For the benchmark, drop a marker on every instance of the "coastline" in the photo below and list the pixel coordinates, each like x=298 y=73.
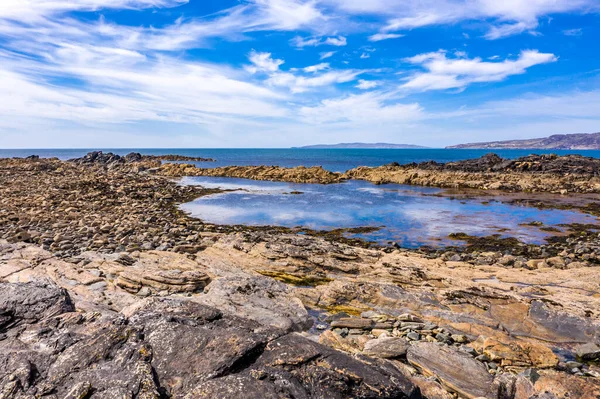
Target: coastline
x=109 y=232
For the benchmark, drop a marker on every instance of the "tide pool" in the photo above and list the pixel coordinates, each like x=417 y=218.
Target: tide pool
x=411 y=216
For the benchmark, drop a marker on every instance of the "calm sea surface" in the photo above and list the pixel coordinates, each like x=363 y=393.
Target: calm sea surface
x=337 y=160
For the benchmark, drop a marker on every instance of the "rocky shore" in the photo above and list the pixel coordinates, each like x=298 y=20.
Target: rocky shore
x=107 y=290
x=534 y=173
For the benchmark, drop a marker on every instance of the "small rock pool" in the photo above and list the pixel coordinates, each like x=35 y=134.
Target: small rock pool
x=408 y=215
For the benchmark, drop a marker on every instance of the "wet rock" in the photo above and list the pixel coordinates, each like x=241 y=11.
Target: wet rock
x=456 y=370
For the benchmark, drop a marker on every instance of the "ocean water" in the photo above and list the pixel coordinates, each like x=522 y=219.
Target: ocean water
x=337 y=160
x=411 y=216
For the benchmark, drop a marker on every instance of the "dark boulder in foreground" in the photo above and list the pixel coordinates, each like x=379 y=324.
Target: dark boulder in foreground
x=166 y=348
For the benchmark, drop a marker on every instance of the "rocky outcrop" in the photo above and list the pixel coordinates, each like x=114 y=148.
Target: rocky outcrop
x=534 y=173
x=169 y=348
x=300 y=174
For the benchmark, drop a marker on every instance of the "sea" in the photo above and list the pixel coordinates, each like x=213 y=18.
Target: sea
x=336 y=160
x=409 y=216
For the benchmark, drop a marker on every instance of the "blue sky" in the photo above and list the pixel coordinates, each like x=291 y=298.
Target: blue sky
x=280 y=73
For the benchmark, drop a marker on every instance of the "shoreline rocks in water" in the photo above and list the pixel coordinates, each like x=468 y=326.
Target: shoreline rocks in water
x=534 y=173
x=315 y=174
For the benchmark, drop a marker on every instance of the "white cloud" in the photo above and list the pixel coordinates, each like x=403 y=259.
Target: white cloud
x=443 y=73
x=300 y=42
x=336 y=41
x=301 y=84
x=384 y=36
x=367 y=84
x=364 y=56
x=362 y=109
x=325 y=55
x=506 y=17
x=262 y=62
x=316 y=68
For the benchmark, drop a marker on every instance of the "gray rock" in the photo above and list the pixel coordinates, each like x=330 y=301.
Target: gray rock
x=413 y=336
x=456 y=370
x=386 y=348
x=588 y=352
x=162 y=348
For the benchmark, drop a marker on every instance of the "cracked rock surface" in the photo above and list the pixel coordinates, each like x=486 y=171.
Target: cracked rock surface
x=162 y=348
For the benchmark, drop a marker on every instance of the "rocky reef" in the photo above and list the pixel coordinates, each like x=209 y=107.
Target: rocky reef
x=107 y=290
x=274 y=173
x=534 y=173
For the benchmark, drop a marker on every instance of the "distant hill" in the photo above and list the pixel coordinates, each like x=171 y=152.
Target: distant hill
x=362 y=145
x=581 y=141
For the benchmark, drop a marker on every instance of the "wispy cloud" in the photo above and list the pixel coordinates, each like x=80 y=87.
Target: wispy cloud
x=367 y=84
x=457 y=73
x=573 y=32
x=300 y=42
x=505 y=17
x=325 y=55
x=384 y=36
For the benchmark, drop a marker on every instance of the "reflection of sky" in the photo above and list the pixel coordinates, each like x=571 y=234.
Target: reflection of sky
x=408 y=217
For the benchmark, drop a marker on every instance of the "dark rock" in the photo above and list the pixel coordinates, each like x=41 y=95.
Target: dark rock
x=30 y=303
x=163 y=348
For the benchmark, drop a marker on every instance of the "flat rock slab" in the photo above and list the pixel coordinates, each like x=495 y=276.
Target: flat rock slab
x=456 y=370
x=386 y=348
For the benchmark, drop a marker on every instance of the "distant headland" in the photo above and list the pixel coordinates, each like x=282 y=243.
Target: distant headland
x=580 y=141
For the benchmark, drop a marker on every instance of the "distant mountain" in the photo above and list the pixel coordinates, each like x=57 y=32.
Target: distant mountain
x=362 y=145
x=581 y=141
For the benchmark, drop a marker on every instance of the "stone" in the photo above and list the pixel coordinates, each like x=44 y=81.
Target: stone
x=353 y=322
x=588 y=352
x=413 y=336
x=456 y=370
x=515 y=353
x=386 y=348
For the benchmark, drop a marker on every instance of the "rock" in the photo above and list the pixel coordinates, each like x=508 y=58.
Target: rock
x=552 y=384
x=456 y=370
x=258 y=298
x=29 y=303
x=588 y=352
x=386 y=348
x=170 y=348
x=413 y=336
x=515 y=353
x=353 y=322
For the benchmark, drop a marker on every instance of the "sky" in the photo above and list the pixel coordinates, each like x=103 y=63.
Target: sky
x=281 y=73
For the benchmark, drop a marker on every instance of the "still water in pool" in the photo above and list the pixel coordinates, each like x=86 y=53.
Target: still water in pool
x=411 y=216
